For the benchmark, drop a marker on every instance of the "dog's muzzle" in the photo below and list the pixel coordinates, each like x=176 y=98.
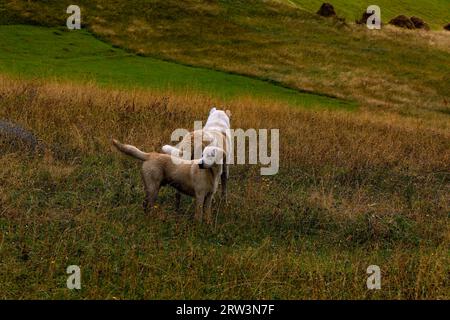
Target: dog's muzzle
x=201 y=165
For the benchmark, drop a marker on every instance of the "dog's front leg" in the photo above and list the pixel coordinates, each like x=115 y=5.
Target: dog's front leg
x=199 y=200
x=223 y=181
x=207 y=208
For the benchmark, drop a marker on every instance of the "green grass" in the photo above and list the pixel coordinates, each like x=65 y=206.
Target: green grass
x=435 y=12
x=41 y=52
x=392 y=68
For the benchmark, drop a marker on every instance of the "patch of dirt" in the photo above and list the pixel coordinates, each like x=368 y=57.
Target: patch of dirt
x=402 y=22
x=419 y=23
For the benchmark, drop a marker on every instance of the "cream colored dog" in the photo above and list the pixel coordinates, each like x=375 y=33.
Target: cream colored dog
x=216 y=132
x=196 y=178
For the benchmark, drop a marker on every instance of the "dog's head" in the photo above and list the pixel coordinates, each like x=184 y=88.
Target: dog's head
x=211 y=156
x=217 y=116
x=214 y=109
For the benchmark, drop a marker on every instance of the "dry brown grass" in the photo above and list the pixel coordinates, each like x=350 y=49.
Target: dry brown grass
x=331 y=143
x=354 y=189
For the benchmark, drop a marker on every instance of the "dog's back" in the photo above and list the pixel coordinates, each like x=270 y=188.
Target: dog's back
x=216 y=132
x=161 y=170
x=218 y=120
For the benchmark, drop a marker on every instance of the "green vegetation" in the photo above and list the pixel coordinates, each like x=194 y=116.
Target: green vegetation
x=55 y=52
x=273 y=41
x=435 y=12
x=354 y=188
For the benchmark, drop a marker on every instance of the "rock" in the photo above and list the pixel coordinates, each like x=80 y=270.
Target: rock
x=402 y=22
x=17 y=136
x=364 y=18
x=447 y=27
x=326 y=10
x=419 y=23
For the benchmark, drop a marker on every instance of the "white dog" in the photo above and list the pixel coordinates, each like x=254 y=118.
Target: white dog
x=215 y=133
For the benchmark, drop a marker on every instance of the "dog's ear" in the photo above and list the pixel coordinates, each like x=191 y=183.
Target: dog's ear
x=213 y=109
x=228 y=112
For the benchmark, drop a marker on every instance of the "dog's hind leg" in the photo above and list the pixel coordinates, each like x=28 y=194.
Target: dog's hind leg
x=150 y=198
x=178 y=201
x=151 y=190
x=146 y=204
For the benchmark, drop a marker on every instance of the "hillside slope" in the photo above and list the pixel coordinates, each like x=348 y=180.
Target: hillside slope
x=354 y=188
x=391 y=69
x=38 y=52
x=435 y=12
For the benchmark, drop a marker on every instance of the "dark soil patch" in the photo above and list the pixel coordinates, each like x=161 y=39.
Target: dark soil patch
x=402 y=22
x=419 y=23
x=326 y=10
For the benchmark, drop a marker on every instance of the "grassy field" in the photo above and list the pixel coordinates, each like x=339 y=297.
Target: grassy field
x=270 y=40
x=435 y=12
x=354 y=189
x=37 y=52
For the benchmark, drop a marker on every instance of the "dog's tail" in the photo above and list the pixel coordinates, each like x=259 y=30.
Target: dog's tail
x=131 y=150
x=172 y=151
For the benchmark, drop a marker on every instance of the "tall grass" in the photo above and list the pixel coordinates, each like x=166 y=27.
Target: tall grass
x=354 y=189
